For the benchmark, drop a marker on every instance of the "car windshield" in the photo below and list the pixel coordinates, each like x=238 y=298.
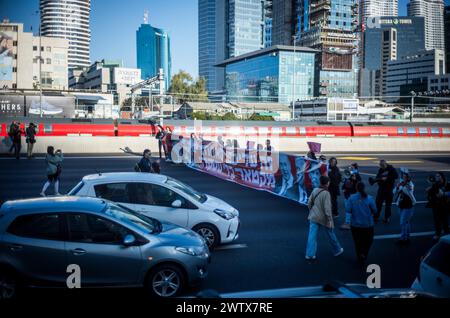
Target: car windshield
x=144 y=223
x=188 y=190
x=76 y=189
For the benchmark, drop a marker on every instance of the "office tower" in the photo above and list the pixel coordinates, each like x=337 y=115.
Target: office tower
x=229 y=28
x=69 y=19
x=447 y=36
x=378 y=8
x=330 y=26
x=433 y=12
x=388 y=53
x=153 y=52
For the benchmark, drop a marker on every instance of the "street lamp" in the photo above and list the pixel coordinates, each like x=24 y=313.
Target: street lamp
x=413 y=95
x=294 y=39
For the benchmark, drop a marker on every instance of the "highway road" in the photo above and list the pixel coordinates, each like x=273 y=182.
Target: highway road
x=270 y=251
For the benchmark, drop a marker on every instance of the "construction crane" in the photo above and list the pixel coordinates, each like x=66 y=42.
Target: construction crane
x=148 y=82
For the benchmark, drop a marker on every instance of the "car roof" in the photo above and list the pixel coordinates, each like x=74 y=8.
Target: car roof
x=57 y=204
x=126 y=176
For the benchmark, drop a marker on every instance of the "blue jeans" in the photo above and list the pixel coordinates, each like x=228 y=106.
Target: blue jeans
x=405 y=222
x=311 y=246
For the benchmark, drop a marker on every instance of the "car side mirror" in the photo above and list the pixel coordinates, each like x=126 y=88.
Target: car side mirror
x=129 y=240
x=176 y=204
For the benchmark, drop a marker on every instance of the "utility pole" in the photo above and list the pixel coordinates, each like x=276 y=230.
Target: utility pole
x=413 y=95
x=293 y=80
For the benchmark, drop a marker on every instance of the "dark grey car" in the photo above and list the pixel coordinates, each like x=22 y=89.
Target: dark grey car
x=112 y=245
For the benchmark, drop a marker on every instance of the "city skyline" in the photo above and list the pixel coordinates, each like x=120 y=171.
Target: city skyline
x=181 y=24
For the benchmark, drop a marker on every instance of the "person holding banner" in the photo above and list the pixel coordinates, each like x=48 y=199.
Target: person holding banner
x=335 y=179
x=320 y=216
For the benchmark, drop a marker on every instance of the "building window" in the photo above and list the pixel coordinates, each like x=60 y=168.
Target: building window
x=34 y=48
x=14 y=85
x=48 y=49
x=14 y=69
x=49 y=61
x=42 y=48
x=14 y=43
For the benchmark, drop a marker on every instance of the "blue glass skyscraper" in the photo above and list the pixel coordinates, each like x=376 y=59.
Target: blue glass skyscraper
x=153 y=52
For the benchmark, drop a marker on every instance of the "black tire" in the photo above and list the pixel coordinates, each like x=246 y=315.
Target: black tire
x=9 y=284
x=166 y=288
x=209 y=232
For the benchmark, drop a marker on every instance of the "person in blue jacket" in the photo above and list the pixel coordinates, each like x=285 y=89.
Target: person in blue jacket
x=362 y=209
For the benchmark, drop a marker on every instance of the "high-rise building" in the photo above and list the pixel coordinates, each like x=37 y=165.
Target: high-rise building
x=411 y=73
x=268 y=20
x=229 y=28
x=153 y=52
x=378 y=8
x=433 y=12
x=409 y=39
x=447 y=36
x=330 y=26
x=29 y=61
x=284 y=22
x=69 y=19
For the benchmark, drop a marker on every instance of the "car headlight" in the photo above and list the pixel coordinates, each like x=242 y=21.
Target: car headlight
x=193 y=251
x=224 y=214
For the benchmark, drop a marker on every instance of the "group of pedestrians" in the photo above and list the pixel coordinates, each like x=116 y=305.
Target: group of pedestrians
x=15 y=134
x=362 y=211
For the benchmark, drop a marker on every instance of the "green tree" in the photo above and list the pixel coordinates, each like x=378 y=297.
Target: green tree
x=186 y=89
x=229 y=116
x=256 y=116
x=138 y=102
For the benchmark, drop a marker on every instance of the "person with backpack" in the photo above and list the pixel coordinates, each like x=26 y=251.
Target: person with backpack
x=320 y=216
x=439 y=202
x=349 y=188
x=53 y=160
x=361 y=208
x=30 y=134
x=405 y=200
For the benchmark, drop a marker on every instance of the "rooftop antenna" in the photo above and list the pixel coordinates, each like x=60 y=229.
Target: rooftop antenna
x=145 y=16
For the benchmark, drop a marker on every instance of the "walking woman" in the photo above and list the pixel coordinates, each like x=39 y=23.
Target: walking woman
x=404 y=197
x=30 y=134
x=320 y=216
x=53 y=160
x=361 y=207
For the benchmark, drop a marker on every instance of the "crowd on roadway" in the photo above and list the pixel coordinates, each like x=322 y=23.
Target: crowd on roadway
x=362 y=211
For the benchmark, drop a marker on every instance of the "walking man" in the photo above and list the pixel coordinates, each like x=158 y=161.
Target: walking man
x=335 y=180
x=320 y=216
x=405 y=200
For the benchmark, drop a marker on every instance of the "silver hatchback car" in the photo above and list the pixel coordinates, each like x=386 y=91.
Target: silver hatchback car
x=41 y=239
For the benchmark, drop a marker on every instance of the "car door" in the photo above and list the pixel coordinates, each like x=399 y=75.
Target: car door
x=435 y=270
x=157 y=201
x=34 y=244
x=96 y=245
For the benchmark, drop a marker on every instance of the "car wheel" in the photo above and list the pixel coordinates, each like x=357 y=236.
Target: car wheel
x=209 y=233
x=166 y=280
x=8 y=285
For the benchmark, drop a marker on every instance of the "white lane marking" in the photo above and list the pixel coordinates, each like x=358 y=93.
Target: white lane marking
x=230 y=247
x=393 y=236
x=368 y=174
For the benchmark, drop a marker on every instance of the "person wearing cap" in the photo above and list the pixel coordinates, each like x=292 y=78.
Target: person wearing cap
x=30 y=134
x=405 y=200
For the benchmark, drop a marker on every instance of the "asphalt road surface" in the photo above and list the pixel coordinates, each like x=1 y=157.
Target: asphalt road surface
x=270 y=250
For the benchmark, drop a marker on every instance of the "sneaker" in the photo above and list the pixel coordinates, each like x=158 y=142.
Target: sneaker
x=46 y=108
x=345 y=226
x=42 y=194
x=340 y=252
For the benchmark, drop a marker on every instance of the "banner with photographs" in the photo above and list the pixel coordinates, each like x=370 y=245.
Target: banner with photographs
x=289 y=176
x=6 y=56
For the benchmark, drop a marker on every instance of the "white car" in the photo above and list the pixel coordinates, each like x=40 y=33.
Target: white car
x=165 y=199
x=434 y=275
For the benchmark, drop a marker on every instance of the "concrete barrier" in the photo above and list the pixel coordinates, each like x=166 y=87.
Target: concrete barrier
x=92 y=145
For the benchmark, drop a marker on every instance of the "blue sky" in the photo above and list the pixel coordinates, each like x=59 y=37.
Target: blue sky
x=114 y=24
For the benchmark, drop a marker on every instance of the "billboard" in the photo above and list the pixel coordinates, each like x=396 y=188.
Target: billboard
x=6 y=56
x=12 y=105
x=127 y=76
x=52 y=106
